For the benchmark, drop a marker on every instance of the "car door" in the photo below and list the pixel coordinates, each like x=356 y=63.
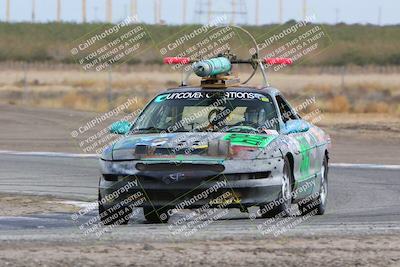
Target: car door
x=304 y=150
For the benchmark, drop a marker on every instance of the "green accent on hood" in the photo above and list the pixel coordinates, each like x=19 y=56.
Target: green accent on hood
x=252 y=140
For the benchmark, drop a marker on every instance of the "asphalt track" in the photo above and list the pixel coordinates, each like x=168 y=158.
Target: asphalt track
x=362 y=199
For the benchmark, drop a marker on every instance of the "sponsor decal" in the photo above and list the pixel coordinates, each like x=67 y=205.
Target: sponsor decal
x=251 y=140
x=209 y=95
x=305 y=157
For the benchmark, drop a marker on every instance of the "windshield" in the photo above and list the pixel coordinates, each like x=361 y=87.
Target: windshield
x=234 y=111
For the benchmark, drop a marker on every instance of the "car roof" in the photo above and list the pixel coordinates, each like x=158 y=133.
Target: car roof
x=264 y=90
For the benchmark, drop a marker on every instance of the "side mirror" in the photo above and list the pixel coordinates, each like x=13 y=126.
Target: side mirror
x=120 y=127
x=296 y=126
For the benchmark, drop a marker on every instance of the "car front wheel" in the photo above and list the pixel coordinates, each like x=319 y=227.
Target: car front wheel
x=281 y=207
x=319 y=203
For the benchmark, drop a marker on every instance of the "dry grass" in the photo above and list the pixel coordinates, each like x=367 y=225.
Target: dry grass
x=75 y=89
x=338 y=104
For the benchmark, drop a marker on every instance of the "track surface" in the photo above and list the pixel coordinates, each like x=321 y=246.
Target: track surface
x=360 y=200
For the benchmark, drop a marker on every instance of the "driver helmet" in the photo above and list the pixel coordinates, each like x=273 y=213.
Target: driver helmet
x=256 y=115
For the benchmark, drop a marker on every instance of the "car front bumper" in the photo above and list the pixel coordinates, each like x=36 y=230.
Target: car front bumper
x=181 y=187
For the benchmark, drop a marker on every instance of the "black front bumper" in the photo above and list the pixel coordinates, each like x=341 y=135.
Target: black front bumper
x=193 y=191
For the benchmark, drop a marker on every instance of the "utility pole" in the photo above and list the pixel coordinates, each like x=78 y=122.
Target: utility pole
x=58 y=10
x=257 y=12
x=337 y=15
x=84 y=11
x=157 y=11
x=304 y=9
x=209 y=11
x=109 y=11
x=380 y=16
x=233 y=11
x=8 y=11
x=280 y=11
x=133 y=8
x=33 y=10
x=183 y=11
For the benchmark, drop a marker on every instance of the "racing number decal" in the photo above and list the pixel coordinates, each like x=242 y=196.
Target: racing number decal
x=305 y=157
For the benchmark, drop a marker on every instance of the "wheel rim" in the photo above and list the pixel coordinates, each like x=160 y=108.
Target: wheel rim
x=324 y=189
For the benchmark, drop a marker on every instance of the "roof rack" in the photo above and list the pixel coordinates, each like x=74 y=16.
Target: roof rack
x=217 y=72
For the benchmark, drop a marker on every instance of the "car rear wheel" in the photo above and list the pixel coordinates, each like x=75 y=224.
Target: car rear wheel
x=154 y=215
x=281 y=207
x=319 y=203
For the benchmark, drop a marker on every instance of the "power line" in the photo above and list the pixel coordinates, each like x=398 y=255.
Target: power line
x=238 y=11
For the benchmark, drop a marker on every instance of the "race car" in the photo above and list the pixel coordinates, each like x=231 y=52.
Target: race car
x=218 y=145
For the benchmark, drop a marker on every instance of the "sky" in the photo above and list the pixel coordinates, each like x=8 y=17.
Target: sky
x=384 y=12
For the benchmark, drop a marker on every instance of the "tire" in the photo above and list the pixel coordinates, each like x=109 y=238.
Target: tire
x=319 y=203
x=154 y=215
x=118 y=216
x=271 y=210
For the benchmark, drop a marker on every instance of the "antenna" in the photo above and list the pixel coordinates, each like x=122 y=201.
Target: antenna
x=84 y=11
x=58 y=10
x=33 y=10
x=109 y=11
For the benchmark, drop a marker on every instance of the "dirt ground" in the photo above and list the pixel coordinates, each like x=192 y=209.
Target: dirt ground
x=380 y=250
x=17 y=205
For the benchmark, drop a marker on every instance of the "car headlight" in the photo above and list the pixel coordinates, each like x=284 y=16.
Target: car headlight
x=107 y=154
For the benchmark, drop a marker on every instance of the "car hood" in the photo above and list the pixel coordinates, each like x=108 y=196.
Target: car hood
x=191 y=146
